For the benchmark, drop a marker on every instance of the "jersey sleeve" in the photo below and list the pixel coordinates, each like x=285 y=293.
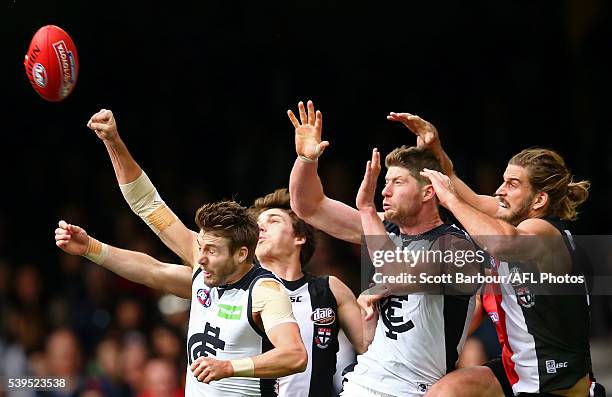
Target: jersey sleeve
x=271 y=300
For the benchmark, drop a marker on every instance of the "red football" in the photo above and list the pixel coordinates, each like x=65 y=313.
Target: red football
x=52 y=64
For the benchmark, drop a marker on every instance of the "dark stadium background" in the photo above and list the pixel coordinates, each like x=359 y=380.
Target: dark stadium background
x=200 y=92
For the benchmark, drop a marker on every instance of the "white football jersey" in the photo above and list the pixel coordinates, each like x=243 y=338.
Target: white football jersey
x=221 y=326
x=418 y=336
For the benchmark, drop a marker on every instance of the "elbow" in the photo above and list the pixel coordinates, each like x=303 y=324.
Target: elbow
x=499 y=248
x=302 y=208
x=501 y=244
x=363 y=347
x=300 y=360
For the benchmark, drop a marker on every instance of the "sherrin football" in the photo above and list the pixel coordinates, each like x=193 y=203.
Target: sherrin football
x=52 y=64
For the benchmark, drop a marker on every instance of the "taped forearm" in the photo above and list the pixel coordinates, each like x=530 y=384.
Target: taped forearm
x=146 y=202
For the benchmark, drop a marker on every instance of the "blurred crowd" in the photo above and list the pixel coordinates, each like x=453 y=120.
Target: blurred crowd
x=105 y=336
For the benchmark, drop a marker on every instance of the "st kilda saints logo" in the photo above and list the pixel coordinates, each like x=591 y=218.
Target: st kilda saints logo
x=323 y=316
x=395 y=324
x=323 y=337
x=525 y=297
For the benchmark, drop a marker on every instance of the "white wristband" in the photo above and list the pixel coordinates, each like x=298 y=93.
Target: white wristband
x=243 y=367
x=307 y=160
x=317 y=155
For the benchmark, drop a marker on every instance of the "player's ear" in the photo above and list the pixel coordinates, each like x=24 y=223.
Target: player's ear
x=428 y=192
x=299 y=240
x=242 y=253
x=540 y=200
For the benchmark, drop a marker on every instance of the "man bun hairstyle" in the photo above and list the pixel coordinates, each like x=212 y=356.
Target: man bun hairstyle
x=548 y=173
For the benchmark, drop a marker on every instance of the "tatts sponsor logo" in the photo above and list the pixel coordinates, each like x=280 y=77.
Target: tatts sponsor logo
x=204 y=297
x=323 y=316
x=323 y=338
x=39 y=74
x=67 y=66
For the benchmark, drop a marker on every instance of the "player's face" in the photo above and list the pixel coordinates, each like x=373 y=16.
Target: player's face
x=515 y=195
x=402 y=195
x=216 y=260
x=276 y=235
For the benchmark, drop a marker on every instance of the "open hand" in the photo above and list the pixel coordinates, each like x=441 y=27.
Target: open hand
x=368 y=298
x=442 y=184
x=367 y=190
x=308 y=131
x=427 y=134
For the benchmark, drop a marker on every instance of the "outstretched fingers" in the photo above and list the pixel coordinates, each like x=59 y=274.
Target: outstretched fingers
x=311 y=113
x=318 y=123
x=303 y=115
x=293 y=119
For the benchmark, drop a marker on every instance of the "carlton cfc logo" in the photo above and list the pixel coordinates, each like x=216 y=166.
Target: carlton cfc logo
x=204 y=297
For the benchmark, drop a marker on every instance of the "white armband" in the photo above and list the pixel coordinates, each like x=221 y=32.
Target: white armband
x=146 y=202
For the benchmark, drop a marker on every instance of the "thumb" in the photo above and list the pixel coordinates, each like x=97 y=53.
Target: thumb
x=107 y=115
x=63 y=225
x=74 y=228
x=321 y=147
x=370 y=313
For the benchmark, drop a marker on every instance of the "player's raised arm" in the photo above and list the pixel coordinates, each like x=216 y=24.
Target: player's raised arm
x=134 y=266
x=307 y=197
x=427 y=136
x=139 y=191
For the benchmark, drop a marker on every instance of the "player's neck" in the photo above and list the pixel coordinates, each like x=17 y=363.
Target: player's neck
x=239 y=273
x=287 y=268
x=420 y=224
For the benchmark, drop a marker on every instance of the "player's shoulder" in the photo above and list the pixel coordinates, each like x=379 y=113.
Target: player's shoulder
x=449 y=229
x=256 y=276
x=325 y=288
x=317 y=283
x=340 y=290
x=545 y=226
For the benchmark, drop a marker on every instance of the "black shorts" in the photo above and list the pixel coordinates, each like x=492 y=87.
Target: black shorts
x=497 y=367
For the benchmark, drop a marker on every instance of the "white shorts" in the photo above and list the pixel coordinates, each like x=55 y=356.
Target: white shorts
x=352 y=389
